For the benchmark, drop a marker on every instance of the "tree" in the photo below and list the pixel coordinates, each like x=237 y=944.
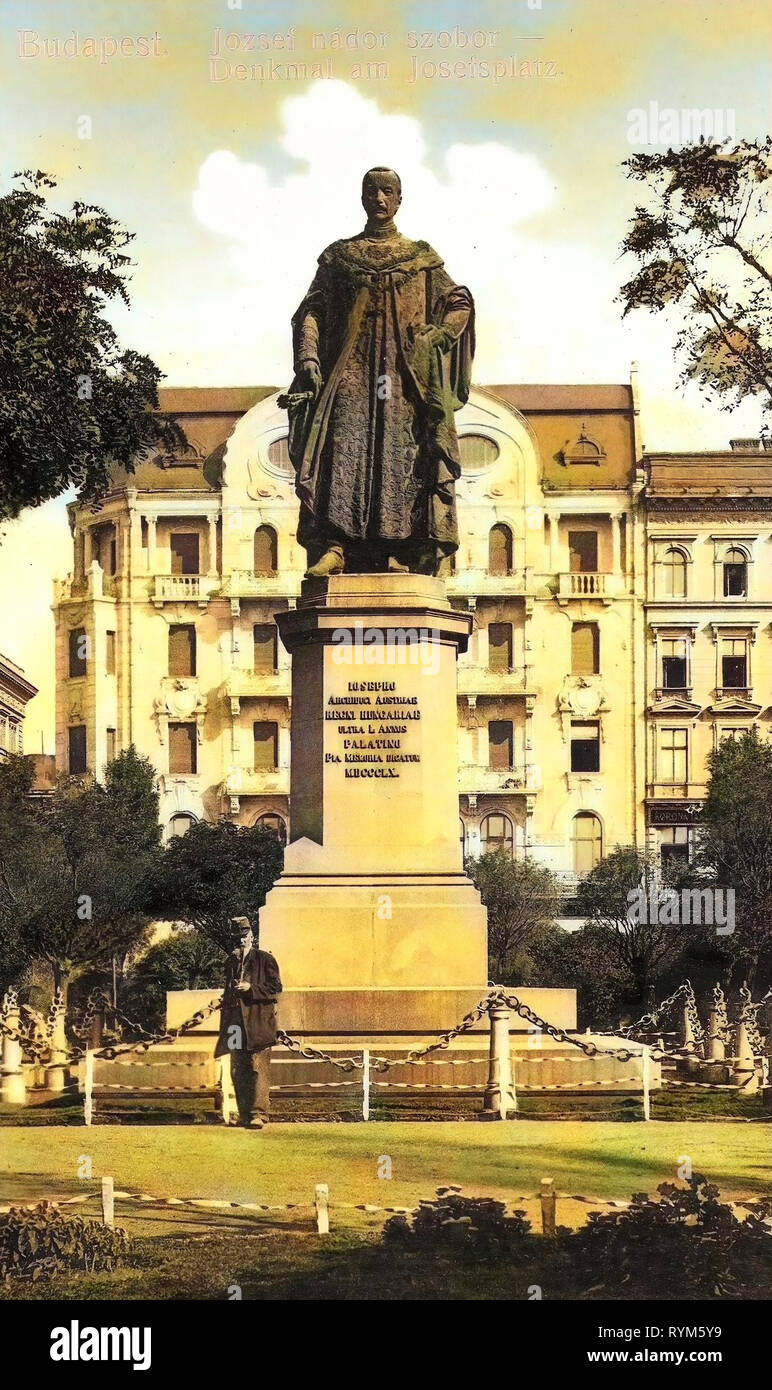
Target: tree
x=640 y=946
x=72 y=403
x=735 y=846
x=703 y=244
x=216 y=872
x=521 y=897
x=74 y=871
x=187 y=960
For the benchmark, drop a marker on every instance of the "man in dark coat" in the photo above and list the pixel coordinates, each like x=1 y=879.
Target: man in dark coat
x=248 y=1024
x=383 y=345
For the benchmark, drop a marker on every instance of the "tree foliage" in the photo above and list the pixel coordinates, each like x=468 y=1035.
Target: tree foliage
x=735 y=845
x=216 y=872
x=702 y=241
x=72 y=402
x=640 y=948
x=521 y=897
x=75 y=870
x=187 y=960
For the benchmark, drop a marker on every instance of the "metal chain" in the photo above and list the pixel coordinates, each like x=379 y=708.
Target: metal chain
x=560 y=1034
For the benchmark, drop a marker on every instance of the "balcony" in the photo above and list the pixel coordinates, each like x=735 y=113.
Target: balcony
x=246 y=685
x=478 y=582
x=587 y=584
x=479 y=681
x=247 y=584
x=177 y=588
x=475 y=779
x=247 y=781
x=676 y=791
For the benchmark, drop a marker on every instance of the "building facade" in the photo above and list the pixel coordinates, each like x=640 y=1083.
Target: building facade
x=15 y=694
x=708 y=615
x=572 y=547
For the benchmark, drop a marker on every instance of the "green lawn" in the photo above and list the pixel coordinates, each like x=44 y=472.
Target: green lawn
x=201 y=1254
x=284 y=1162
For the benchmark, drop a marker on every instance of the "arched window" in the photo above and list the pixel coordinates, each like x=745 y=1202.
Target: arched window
x=278 y=455
x=674 y=573
x=266 y=553
x=180 y=824
x=270 y=821
x=500 y=550
x=478 y=453
x=586 y=842
x=735 y=574
x=497 y=832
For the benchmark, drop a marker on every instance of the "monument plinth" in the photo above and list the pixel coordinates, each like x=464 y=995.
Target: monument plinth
x=375 y=923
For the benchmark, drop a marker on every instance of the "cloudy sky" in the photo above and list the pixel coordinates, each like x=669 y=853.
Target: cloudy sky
x=508 y=123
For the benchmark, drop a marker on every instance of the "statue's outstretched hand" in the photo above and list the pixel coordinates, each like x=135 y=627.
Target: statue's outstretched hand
x=308 y=377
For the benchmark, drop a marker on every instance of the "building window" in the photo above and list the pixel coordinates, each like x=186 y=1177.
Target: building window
x=500 y=744
x=183 y=546
x=585 y=649
x=182 y=649
x=497 y=832
x=271 y=821
x=278 y=455
x=79 y=651
x=500 y=550
x=586 y=842
x=265 y=551
x=674 y=755
x=500 y=646
x=180 y=824
x=734 y=663
x=674 y=663
x=735 y=574
x=183 y=748
x=673 y=573
x=110 y=747
x=110 y=653
x=264 y=648
x=76 y=759
x=462 y=836
x=733 y=733
x=266 y=738
x=477 y=452
x=585 y=745
x=583 y=552
x=675 y=843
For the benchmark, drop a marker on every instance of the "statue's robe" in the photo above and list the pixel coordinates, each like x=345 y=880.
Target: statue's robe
x=376 y=455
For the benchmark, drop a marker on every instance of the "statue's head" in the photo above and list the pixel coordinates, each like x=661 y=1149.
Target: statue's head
x=381 y=193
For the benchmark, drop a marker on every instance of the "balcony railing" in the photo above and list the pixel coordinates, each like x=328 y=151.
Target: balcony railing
x=676 y=791
x=476 y=779
x=254 y=684
x=479 y=681
x=247 y=781
x=584 y=585
x=174 y=588
x=247 y=584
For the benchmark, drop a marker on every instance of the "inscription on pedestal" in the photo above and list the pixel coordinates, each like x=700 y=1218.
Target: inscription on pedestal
x=373 y=723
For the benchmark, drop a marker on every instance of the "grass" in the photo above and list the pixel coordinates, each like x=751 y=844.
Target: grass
x=201 y=1255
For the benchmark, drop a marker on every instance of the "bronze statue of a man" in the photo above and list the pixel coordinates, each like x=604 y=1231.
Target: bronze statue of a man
x=383 y=345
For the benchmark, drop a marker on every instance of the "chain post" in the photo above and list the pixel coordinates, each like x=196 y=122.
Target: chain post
x=57 y=1061
x=13 y=1088
x=548 y=1198
x=365 y=1083
x=498 y=1100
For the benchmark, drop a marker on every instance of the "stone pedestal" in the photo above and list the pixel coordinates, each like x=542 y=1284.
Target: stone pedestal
x=374 y=923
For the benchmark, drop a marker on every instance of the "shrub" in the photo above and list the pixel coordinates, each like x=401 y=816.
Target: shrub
x=43 y=1241
x=687 y=1245
x=477 y=1226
